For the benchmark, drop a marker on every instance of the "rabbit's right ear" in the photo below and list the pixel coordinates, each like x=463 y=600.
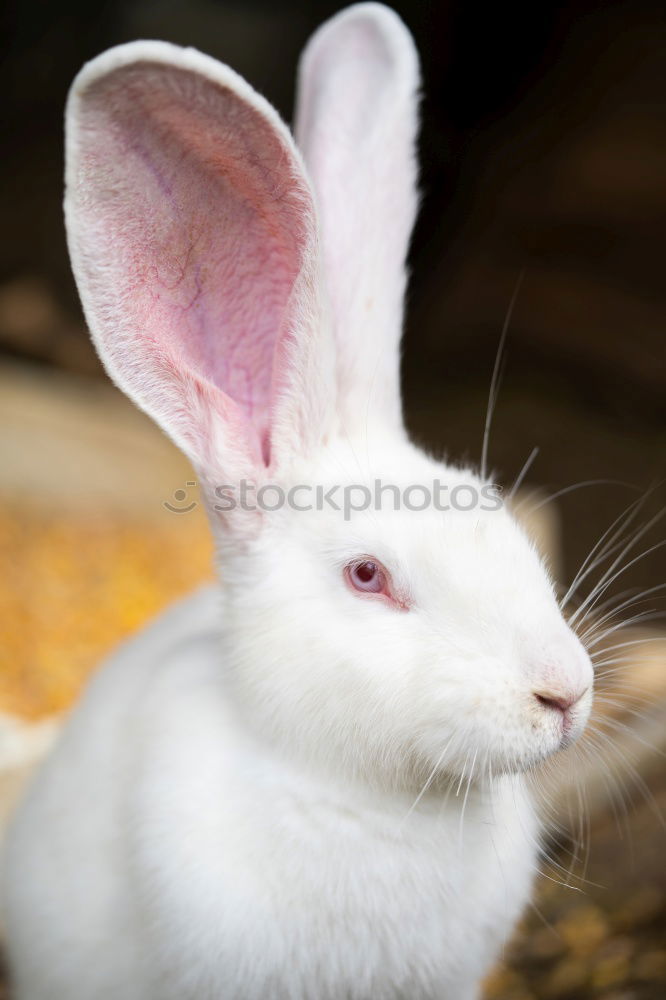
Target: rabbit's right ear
x=193 y=242
x=356 y=126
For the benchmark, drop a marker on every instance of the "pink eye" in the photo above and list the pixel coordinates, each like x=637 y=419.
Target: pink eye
x=367 y=576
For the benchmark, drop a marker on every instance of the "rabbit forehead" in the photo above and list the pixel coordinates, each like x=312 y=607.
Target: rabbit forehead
x=386 y=502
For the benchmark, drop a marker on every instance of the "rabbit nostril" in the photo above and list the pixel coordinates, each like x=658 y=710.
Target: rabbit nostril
x=559 y=702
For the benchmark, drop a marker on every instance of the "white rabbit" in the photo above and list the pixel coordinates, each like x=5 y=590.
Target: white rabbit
x=305 y=783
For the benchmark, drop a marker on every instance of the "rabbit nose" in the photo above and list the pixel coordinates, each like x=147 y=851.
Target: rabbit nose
x=560 y=674
x=559 y=701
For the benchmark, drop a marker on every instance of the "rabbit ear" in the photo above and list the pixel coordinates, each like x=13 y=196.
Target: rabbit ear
x=192 y=236
x=356 y=125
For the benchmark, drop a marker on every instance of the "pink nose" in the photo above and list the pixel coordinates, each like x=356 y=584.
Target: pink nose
x=560 y=702
x=561 y=673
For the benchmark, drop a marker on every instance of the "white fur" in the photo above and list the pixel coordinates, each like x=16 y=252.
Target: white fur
x=283 y=790
x=358 y=80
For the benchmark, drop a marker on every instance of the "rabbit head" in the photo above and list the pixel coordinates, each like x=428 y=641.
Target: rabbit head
x=246 y=291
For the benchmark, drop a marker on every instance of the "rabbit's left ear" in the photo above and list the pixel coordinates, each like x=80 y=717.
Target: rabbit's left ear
x=356 y=126
x=193 y=240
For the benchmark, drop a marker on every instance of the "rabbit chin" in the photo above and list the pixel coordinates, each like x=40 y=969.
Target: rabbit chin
x=505 y=741
x=497 y=725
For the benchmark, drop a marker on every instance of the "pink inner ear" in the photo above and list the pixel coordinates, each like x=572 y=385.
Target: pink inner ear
x=193 y=205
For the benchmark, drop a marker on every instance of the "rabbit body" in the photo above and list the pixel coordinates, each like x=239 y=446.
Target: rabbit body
x=304 y=784
x=203 y=867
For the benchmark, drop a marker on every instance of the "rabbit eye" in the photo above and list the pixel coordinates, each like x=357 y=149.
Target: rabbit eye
x=367 y=576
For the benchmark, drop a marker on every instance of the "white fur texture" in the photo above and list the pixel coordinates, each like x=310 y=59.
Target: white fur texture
x=284 y=789
x=358 y=81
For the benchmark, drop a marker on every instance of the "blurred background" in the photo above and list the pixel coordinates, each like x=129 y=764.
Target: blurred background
x=543 y=152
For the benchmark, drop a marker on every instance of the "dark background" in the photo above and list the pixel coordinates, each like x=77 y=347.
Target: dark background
x=543 y=151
